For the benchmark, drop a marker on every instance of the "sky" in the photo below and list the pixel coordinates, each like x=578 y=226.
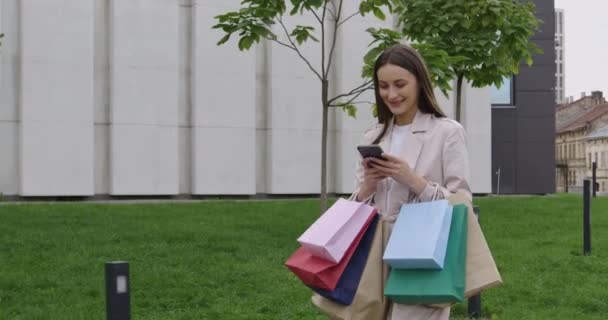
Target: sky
x=586 y=45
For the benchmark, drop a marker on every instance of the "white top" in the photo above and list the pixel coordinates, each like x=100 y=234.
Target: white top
x=398 y=139
x=398 y=144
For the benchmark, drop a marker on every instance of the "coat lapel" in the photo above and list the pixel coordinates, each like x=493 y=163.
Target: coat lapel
x=415 y=141
x=421 y=124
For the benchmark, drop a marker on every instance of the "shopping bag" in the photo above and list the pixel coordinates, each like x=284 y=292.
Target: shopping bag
x=333 y=233
x=369 y=302
x=349 y=280
x=481 y=268
x=321 y=273
x=426 y=286
x=420 y=236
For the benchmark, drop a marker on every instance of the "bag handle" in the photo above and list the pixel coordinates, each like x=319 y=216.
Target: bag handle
x=368 y=200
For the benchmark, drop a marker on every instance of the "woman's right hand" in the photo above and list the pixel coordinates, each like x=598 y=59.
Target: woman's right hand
x=371 y=177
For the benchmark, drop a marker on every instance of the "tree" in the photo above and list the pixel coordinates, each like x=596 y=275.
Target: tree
x=254 y=22
x=487 y=39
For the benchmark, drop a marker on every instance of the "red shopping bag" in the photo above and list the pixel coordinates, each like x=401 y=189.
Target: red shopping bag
x=321 y=273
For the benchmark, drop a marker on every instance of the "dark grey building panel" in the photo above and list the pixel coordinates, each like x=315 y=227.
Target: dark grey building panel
x=536 y=78
x=544 y=7
x=523 y=137
x=534 y=174
x=503 y=159
x=547 y=57
x=503 y=126
x=535 y=129
x=535 y=104
x=546 y=27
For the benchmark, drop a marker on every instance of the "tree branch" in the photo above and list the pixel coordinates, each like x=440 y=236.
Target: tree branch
x=317 y=16
x=281 y=43
x=353 y=102
x=358 y=90
x=333 y=43
x=355 y=97
x=349 y=17
x=322 y=21
x=335 y=9
x=298 y=50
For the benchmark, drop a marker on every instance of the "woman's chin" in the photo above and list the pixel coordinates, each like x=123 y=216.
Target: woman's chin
x=397 y=111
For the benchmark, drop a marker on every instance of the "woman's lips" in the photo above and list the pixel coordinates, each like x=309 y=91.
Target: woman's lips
x=395 y=104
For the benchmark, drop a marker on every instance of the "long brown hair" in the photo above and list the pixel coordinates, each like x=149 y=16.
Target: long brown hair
x=408 y=58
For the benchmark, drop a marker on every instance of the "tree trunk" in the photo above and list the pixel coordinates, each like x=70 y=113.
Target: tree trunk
x=459 y=97
x=325 y=101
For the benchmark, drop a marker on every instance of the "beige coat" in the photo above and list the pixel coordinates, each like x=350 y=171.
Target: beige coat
x=436 y=150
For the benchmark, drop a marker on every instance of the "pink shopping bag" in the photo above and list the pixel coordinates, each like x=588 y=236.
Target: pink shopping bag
x=332 y=234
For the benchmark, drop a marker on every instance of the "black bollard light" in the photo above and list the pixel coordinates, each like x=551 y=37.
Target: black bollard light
x=594 y=178
x=474 y=303
x=118 y=296
x=586 y=217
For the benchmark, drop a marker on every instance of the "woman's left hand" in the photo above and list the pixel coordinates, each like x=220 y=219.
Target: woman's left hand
x=400 y=171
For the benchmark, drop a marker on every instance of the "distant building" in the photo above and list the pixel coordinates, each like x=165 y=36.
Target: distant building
x=581 y=138
x=560 y=84
x=523 y=119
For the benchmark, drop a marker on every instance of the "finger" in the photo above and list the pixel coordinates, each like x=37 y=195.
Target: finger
x=391 y=157
x=365 y=163
x=381 y=170
x=379 y=162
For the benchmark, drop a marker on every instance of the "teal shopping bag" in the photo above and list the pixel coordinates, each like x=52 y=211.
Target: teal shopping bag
x=425 y=286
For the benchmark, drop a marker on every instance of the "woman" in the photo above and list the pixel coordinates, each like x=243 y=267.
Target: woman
x=425 y=153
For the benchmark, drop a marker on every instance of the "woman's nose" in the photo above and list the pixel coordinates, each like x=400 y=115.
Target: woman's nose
x=392 y=93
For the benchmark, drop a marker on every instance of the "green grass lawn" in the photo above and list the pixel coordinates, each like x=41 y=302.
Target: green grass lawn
x=223 y=260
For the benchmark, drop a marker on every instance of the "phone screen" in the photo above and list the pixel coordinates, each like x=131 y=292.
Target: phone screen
x=371 y=151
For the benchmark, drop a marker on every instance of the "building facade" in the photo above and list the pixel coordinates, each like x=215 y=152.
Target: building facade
x=128 y=98
x=580 y=139
x=560 y=72
x=523 y=139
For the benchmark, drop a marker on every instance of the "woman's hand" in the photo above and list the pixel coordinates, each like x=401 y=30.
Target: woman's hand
x=371 y=177
x=400 y=171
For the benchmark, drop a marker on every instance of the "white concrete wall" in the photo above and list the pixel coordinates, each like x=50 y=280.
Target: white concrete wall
x=135 y=98
x=9 y=113
x=144 y=97
x=224 y=109
x=56 y=102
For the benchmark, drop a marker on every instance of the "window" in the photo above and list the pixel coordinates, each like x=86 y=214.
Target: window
x=590 y=160
x=503 y=96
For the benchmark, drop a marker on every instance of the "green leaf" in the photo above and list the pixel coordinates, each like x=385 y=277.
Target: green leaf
x=379 y=14
x=245 y=43
x=224 y=39
x=372 y=54
x=350 y=109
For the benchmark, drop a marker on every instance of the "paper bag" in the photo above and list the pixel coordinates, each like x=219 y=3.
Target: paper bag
x=420 y=236
x=481 y=269
x=369 y=302
x=428 y=286
x=330 y=236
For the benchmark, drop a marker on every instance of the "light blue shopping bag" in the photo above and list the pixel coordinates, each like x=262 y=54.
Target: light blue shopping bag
x=420 y=236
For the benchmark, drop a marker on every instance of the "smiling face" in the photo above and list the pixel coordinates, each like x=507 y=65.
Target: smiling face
x=399 y=90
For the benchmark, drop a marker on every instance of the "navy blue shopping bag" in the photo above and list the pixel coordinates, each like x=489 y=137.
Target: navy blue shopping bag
x=349 y=281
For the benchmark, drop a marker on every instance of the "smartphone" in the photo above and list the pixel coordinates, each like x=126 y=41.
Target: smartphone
x=372 y=150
